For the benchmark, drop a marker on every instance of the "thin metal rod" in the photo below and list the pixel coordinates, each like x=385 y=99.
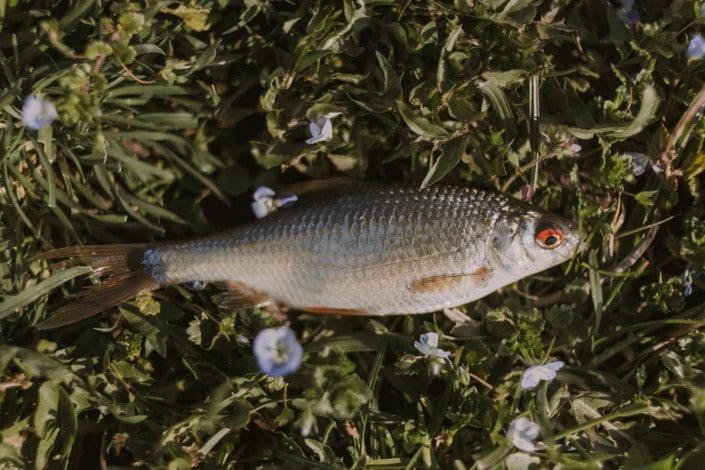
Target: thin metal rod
x=534 y=114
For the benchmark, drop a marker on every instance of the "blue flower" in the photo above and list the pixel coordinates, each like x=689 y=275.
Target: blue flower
x=320 y=130
x=522 y=433
x=687 y=278
x=264 y=201
x=428 y=346
x=535 y=374
x=277 y=351
x=38 y=113
x=696 y=48
x=628 y=14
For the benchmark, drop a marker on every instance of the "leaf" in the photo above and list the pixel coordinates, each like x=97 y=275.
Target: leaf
x=646 y=198
x=503 y=79
x=308 y=58
x=460 y=107
x=419 y=124
x=56 y=424
x=194 y=17
x=11 y=304
x=451 y=151
x=392 y=84
x=35 y=364
x=281 y=152
x=649 y=104
x=521 y=461
x=500 y=104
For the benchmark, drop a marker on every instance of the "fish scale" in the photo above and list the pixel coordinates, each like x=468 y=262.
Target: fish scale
x=361 y=248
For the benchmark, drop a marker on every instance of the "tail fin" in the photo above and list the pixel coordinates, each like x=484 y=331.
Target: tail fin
x=123 y=273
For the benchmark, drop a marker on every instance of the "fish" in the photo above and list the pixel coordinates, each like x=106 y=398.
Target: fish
x=345 y=248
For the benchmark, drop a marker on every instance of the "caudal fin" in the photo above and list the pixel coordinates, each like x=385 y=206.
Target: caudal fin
x=123 y=277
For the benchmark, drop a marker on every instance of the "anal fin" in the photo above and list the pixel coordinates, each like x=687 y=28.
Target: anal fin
x=335 y=311
x=239 y=296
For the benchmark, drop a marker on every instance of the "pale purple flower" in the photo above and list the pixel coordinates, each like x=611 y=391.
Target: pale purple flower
x=628 y=14
x=38 y=113
x=522 y=433
x=196 y=285
x=696 y=47
x=277 y=351
x=640 y=162
x=575 y=148
x=428 y=346
x=687 y=278
x=535 y=374
x=264 y=201
x=321 y=130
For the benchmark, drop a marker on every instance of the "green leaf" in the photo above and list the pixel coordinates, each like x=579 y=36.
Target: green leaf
x=56 y=424
x=649 y=104
x=646 y=198
x=500 y=104
x=194 y=17
x=392 y=84
x=503 y=79
x=419 y=124
x=11 y=304
x=281 y=152
x=460 y=107
x=451 y=151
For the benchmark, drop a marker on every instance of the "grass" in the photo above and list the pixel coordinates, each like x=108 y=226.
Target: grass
x=172 y=113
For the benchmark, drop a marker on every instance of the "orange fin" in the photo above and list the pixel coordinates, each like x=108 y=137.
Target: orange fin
x=335 y=311
x=446 y=282
x=240 y=297
x=315 y=186
x=99 y=298
x=123 y=275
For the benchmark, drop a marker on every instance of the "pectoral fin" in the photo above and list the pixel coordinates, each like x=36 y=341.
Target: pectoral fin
x=450 y=282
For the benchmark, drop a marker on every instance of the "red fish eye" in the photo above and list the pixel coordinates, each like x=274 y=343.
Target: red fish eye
x=549 y=238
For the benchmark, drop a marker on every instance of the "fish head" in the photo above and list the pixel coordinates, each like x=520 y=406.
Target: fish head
x=533 y=242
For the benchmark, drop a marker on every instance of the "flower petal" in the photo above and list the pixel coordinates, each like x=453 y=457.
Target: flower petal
x=535 y=374
x=555 y=366
x=327 y=129
x=262 y=207
x=263 y=192
x=38 y=113
x=429 y=339
x=522 y=433
x=277 y=351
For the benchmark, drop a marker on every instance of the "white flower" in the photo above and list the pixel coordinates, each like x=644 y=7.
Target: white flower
x=522 y=433
x=264 y=201
x=277 y=351
x=575 y=148
x=38 y=113
x=321 y=129
x=535 y=374
x=428 y=346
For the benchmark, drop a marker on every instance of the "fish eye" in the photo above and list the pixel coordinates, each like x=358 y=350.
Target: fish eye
x=549 y=238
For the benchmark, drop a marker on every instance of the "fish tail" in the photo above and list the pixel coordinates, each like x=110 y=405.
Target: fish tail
x=123 y=272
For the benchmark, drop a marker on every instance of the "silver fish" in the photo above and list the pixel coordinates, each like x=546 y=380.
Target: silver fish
x=354 y=249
